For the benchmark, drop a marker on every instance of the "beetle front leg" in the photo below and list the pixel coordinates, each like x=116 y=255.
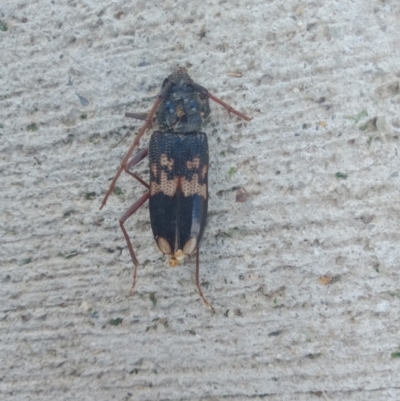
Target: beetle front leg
x=134 y=160
x=148 y=122
x=122 y=220
x=229 y=108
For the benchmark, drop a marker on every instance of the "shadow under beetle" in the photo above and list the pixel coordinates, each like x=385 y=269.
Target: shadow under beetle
x=178 y=156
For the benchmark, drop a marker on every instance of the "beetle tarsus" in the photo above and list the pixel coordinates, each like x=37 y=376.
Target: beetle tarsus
x=198 y=280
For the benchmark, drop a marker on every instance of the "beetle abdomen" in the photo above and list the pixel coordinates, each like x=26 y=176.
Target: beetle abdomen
x=178 y=190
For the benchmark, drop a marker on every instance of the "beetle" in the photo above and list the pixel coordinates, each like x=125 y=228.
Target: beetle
x=178 y=159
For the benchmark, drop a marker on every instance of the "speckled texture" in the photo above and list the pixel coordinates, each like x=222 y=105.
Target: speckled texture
x=319 y=161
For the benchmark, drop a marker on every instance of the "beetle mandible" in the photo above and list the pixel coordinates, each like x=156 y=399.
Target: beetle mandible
x=178 y=156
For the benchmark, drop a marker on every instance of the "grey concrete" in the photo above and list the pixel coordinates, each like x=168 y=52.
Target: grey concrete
x=304 y=275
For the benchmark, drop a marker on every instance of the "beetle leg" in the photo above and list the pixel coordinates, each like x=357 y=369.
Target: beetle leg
x=135 y=160
x=132 y=209
x=164 y=91
x=140 y=116
x=198 y=280
x=134 y=175
x=230 y=109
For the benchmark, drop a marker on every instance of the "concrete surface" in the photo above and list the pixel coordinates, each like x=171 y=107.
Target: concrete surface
x=304 y=275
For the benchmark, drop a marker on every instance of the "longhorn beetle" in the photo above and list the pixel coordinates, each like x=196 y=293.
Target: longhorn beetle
x=178 y=155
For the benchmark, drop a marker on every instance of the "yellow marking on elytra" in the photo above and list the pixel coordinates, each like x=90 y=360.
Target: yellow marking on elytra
x=204 y=171
x=190 y=246
x=154 y=169
x=195 y=163
x=193 y=187
x=166 y=186
x=164 y=246
x=165 y=161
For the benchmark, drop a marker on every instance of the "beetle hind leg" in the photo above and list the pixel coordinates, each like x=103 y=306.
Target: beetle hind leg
x=198 y=280
x=122 y=220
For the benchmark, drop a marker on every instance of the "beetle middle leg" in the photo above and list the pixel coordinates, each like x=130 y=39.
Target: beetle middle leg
x=135 y=160
x=138 y=116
